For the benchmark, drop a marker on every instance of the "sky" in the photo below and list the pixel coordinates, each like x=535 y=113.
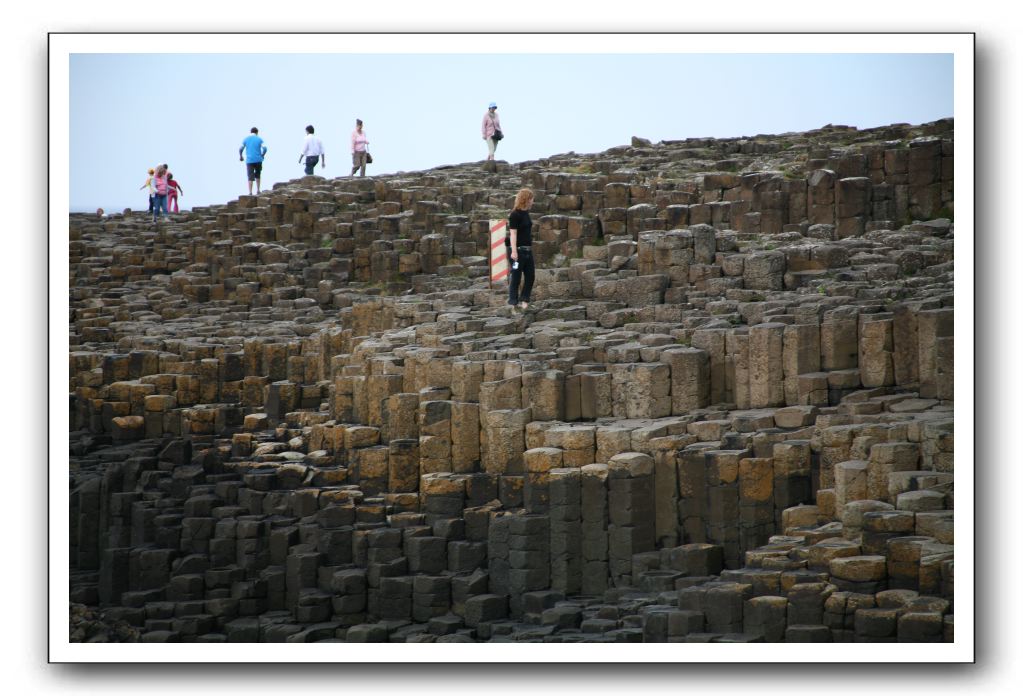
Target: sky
x=130 y=111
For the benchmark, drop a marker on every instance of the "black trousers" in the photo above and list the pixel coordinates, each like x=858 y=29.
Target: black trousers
x=524 y=274
x=310 y=164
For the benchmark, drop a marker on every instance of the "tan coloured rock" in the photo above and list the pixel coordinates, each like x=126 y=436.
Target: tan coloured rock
x=859 y=568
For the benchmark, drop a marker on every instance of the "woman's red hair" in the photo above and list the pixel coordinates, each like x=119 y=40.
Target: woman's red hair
x=522 y=198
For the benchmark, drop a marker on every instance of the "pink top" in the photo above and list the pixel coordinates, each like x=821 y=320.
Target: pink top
x=359 y=141
x=160 y=184
x=490 y=124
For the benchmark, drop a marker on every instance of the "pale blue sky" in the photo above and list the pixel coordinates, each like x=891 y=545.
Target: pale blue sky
x=131 y=111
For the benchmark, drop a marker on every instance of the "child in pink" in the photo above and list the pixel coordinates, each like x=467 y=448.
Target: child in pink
x=173 y=187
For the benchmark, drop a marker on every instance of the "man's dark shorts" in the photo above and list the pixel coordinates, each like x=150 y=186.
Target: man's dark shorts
x=254 y=169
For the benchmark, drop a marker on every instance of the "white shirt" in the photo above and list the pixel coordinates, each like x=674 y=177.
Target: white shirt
x=312 y=147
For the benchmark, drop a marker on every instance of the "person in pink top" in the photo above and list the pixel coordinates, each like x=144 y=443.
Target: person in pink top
x=359 y=151
x=492 y=128
x=160 y=188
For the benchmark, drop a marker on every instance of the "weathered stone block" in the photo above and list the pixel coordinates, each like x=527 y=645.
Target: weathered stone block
x=544 y=393
x=690 y=378
x=641 y=390
x=764 y=270
x=766 y=347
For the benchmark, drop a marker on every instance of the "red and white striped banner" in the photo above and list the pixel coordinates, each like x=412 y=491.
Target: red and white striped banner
x=498 y=251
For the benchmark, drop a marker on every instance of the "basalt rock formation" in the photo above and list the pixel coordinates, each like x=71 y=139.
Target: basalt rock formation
x=727 y=416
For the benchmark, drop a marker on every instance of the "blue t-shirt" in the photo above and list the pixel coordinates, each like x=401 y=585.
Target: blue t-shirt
x=254 y=149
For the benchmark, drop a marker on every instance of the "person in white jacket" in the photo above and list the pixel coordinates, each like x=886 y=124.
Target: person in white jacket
x=312 y=150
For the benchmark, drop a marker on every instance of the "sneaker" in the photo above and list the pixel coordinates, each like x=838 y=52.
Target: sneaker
x=523 y=306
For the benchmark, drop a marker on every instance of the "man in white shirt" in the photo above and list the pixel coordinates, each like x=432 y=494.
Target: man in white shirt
x=313 y=152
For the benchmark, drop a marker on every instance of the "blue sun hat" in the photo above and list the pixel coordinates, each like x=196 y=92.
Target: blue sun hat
x=493 y=105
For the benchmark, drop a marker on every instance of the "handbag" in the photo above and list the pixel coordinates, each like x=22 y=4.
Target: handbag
x=369 y=158
x=498 y=135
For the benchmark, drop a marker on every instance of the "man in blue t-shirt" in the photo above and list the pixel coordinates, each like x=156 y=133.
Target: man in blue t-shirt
x=254 y=150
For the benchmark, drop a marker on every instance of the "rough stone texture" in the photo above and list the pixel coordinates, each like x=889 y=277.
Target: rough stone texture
x=728 y=416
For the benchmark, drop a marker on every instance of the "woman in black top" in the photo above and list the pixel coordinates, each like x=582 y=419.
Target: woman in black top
x=520 y=241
